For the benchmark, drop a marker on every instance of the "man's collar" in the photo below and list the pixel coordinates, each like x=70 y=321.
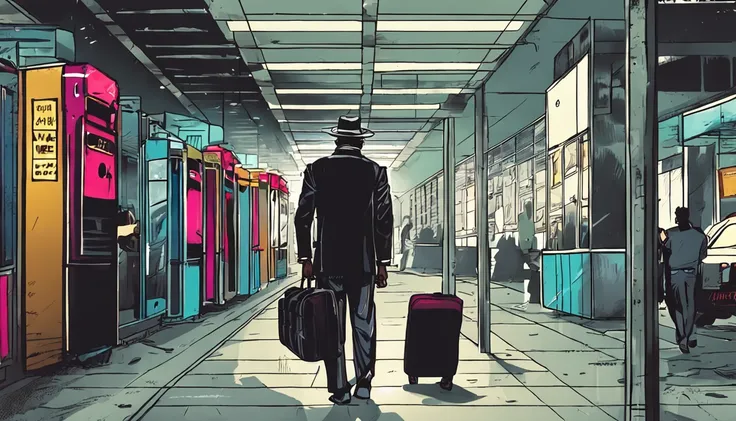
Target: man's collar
x=347 y=150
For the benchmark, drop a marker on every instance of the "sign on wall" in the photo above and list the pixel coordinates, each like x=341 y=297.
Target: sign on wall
x=45 y=158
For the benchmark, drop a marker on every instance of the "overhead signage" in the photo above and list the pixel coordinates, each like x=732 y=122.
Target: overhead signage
x=44 y=141
x=211 y=157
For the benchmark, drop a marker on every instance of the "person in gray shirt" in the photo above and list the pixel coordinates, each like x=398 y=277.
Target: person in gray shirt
x=686 y=246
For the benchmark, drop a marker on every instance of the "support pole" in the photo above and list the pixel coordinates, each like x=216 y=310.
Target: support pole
x=642 y=328
x=481 y=223
x=448 y=169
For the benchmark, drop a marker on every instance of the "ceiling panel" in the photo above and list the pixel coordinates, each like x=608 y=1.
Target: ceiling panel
x=312 y=55
x=395 y=124
x=408 y=99
x=461 y=7
x=316 y=114
x=471 y=39
x=291 y=7
x=430 y=55
x=323 y=99
x=264 y=39
x=336 y=77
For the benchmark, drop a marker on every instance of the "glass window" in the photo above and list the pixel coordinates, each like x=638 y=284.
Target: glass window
x=556 y=165
x=284 y=221
x=726 y=238
x=8 y=191
x=571 y=158
x=540 y=201
x=510 y=213
x=569 y=235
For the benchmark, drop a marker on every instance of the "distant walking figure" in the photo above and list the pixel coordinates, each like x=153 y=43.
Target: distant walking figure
x=405 y=243
x=686 y=247
x=351 y=196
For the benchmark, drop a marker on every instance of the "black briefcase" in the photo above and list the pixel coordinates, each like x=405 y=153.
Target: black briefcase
x=308 y=322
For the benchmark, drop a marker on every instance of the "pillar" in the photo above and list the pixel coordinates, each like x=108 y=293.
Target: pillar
x=481 y=223
x=642 y=328
x=448 y=169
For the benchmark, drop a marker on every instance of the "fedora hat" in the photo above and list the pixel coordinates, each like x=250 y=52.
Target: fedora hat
x=349 y=127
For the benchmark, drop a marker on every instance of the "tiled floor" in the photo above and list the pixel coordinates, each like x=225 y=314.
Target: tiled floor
x=252 y=376
x=231 y=366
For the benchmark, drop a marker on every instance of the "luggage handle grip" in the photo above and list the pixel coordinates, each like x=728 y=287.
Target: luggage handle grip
x=309 y=282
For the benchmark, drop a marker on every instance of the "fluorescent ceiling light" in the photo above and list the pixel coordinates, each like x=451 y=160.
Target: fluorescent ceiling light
x=307 y=121
x=406 y=107
x=319 y=91
x=448 y=26
x=311 y=66
x=305 y=147
x=427 y=91
x=398 y=67
x=321 y=107
x=295 y=26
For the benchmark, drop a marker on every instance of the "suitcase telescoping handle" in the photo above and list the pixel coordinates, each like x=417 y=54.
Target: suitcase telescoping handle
x=309 y=282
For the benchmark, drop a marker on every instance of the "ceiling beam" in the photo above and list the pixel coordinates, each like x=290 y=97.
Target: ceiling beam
x=368 y=45
x=118 y=33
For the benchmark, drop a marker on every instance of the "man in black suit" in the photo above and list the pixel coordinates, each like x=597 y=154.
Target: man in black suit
x=352 y=198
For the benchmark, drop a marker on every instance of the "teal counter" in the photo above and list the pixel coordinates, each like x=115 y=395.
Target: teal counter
x=585 y=283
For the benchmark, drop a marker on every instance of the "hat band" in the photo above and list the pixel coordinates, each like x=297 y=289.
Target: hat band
x=348 y=131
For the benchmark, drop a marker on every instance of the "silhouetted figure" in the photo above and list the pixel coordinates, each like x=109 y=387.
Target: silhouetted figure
x=686 y=247
x=529 y=252
x=405 y=243
x=352 y=198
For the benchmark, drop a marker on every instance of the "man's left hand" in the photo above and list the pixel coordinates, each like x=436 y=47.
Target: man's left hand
x=382 y=277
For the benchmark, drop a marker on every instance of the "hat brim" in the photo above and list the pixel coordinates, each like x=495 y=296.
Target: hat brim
x=364 y=133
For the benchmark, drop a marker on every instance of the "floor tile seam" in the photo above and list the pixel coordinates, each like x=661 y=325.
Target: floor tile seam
x=141 y=412
x=558 y=378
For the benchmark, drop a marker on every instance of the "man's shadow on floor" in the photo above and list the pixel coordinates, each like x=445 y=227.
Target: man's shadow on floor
x=357 y=410
x=435 y=394
x=360 y=410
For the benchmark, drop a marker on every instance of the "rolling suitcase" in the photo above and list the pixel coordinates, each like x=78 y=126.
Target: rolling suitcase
x=433 y=337
x=308 y=323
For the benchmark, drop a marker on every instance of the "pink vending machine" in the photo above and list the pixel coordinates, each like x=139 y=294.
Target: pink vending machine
x=90 y=103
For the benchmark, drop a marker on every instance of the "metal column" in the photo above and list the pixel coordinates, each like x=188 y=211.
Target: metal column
x=448 y=169
x=642 y=329
x=481 y=223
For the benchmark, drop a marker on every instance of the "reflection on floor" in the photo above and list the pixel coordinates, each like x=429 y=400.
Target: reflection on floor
x=230 y=366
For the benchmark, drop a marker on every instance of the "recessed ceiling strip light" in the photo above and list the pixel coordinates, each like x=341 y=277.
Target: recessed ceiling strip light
x=295 y=26
x=399 y=67
x=311 y=66
x=319 y=91
x=340 y=107
x=448 y=26
x=406 y=107
x=427 y=91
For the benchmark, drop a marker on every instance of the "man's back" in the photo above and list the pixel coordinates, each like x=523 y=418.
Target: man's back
x=350 y=194
x=686 y=247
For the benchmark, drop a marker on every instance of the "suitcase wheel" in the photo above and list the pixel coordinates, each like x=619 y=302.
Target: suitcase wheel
x=446 y=383
x=413 y=380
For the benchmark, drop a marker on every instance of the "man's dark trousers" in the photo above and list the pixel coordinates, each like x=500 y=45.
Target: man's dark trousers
x=357 y=293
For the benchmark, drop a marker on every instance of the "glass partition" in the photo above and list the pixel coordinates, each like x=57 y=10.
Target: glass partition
x=283 y=220
x=157 y=231
x=554 y=234
x=570 y=198
x=7 y=182
x=194 y=209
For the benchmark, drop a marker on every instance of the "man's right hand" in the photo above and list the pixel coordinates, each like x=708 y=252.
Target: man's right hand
x=307 y=269
x=382 y=277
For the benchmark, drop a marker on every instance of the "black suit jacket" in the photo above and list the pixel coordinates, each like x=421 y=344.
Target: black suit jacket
x=351 y=196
